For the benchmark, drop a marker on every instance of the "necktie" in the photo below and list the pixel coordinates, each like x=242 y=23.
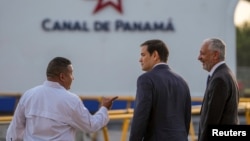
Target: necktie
x=208 y=79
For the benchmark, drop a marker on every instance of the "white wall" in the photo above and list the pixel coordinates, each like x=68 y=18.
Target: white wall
x=107 y=63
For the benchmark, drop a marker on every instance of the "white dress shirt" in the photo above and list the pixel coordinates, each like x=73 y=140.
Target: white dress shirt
x=50 y=112
x=215 y=67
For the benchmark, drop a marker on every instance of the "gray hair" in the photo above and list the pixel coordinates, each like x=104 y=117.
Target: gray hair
x=219 y=45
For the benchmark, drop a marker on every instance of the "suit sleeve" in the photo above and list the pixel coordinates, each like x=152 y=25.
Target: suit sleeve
x=217 y=101
x=142 y=108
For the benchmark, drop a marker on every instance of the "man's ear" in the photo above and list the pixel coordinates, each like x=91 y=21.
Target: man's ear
x=216 y=55
x=155 y=55
x=61 y=76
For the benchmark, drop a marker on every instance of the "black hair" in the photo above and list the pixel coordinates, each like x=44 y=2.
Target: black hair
x=57 y=66
x=159 y=46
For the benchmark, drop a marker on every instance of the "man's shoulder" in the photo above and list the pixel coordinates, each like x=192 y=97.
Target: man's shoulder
x=32 y=90
x=222 y=70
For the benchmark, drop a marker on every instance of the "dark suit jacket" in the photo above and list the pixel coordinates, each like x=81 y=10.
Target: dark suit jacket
x=162 y=107
x=220 y=103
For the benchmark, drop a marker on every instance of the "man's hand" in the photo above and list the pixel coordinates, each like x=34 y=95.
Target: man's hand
x=107 y=102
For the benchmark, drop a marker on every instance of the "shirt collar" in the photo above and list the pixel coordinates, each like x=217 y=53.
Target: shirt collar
x=53 y=84
x=161 y=63
x=215 y=67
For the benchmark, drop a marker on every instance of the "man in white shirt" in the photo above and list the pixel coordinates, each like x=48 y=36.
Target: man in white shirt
x=50 y=112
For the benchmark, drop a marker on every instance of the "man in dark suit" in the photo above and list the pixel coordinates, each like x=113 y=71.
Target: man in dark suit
x=220 y=102
x=163 y=103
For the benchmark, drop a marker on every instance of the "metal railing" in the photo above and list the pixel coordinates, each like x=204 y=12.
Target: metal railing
x=126 y=113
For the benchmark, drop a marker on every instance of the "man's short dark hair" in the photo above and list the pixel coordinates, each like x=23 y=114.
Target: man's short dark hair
x=159 y=46
x=57 y=66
